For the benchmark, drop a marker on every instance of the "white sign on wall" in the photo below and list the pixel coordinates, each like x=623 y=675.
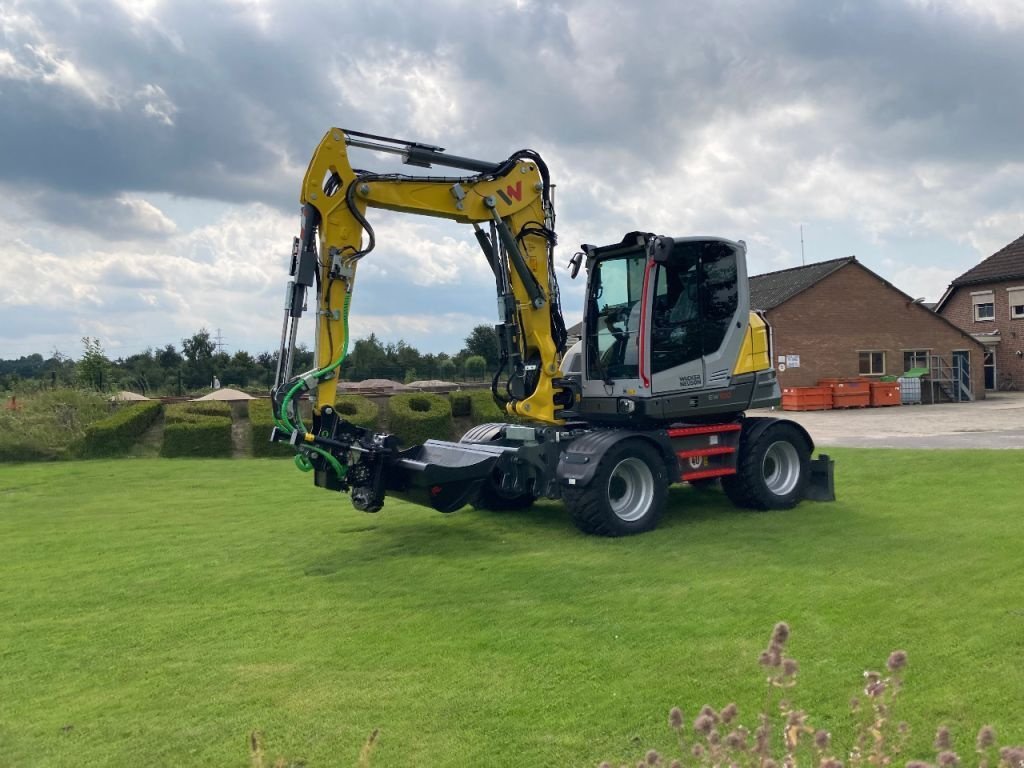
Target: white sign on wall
x=792 y=361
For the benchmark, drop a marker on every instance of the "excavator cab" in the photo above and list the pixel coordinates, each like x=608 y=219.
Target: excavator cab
x=665 y=331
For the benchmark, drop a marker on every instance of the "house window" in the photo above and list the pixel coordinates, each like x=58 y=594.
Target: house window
x=915 y=358
x=984 y=305
x=872 y=363
x=1016 y=302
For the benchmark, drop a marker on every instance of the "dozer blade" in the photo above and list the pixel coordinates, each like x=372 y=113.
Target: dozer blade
x=440 y=474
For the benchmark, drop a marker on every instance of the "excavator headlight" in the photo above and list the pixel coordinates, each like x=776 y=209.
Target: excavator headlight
x=625 y=405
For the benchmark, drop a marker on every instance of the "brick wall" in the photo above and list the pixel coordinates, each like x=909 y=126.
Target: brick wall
x=959 y=310
x=852 y=310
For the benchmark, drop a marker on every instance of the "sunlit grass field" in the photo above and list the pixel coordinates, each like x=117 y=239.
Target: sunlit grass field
x=155 y=612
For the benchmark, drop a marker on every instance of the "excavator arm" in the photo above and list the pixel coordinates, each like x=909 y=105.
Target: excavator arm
x=508 y=203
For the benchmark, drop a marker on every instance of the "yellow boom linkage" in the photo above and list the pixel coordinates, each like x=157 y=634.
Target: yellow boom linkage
x=511 y=198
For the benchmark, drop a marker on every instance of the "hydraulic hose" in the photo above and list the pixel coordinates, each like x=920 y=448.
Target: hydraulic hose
x=315 y=374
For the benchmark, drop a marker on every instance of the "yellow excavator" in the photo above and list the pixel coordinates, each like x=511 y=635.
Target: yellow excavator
x=654 y=393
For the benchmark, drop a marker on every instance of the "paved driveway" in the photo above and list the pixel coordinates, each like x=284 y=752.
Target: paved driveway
x=995 y=422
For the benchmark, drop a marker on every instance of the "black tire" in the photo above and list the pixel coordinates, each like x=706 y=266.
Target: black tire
x=773 y=468
x=626 y=495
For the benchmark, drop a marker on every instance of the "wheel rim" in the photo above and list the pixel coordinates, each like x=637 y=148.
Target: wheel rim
x=780 y=468
x=631 y=489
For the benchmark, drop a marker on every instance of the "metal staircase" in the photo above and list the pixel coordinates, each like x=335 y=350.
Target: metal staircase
x=954 y=381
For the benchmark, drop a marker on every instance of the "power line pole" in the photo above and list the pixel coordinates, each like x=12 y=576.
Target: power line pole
x=803 y=262
x=219 y=344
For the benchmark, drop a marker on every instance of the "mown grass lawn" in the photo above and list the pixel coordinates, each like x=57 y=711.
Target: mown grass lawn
x=154 y=612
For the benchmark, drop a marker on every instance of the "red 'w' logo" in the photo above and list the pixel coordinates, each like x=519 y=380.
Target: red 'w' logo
x=511 y=191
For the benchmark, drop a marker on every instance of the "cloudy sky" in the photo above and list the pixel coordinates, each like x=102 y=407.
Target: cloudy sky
x=151 y=152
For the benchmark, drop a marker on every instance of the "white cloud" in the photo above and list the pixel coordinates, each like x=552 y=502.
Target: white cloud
x=889 y=130
x=156 y=104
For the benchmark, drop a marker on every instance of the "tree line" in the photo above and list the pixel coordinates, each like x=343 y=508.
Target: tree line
x=198 y=364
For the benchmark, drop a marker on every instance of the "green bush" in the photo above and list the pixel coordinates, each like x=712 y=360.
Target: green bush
x=262 y=420
x=476 y=367
x=482 y=408
x=418 y=417
x=46 y=424
x=358 y=410
x=117 y=433
x=460 y=404
x=205 y=436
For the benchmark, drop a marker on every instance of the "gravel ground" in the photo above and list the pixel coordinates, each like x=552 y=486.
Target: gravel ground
x=995 y=422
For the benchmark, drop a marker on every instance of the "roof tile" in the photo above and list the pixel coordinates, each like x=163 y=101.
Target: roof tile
x=1005 y=264
x=774 y=288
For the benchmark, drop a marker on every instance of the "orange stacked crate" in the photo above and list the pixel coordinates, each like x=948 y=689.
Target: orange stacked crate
x=849 y=393
x=885 y=393
x=806 y=399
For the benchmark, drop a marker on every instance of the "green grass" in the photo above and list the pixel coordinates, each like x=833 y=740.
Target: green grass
x=154 y=612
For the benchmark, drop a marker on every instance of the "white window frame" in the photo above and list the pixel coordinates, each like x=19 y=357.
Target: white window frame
x=983 y=299
x=1015 y=298
x=871 y=352
x=917 y=352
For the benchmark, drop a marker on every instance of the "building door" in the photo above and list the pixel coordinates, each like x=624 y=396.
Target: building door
x=990 y=368
x=962 y=370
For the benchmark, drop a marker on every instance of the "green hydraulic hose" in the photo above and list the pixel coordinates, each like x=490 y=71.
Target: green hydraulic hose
x=301 y=461
x=320 y=373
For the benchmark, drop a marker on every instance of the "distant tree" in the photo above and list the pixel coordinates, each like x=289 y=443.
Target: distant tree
x=266 y=363
x=93 y=370
x=198 y=350
x=483 y=341
x=142 y=372
x=447 y=369
x=476 y=366
x=169 y=359
x=241 y=370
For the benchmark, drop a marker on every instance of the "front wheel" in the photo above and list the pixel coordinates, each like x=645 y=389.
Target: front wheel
x=773 y=469
x=626 y=495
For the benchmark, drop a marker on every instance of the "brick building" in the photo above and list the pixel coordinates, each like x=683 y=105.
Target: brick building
x=987 y=301
x=838 y=318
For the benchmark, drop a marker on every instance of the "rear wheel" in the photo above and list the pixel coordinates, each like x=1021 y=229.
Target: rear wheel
x=773 y=469
x=626 y=494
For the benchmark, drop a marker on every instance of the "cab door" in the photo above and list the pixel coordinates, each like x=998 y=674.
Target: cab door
x=698 y=315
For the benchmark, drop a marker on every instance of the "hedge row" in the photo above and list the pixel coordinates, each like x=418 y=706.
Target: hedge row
x=180 y=412
x=201 y=436
x=118 y=432
x=479 y=406
x=419 y=417
x=359 y=410
x=261 y=418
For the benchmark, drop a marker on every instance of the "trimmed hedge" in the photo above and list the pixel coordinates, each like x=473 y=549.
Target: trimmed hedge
x=261 y=418
x=118 y=432
x=201 y=436
x=359 y=410
x=460 y=404
x=419 y=417
x=483 y=409
x=179 y=412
